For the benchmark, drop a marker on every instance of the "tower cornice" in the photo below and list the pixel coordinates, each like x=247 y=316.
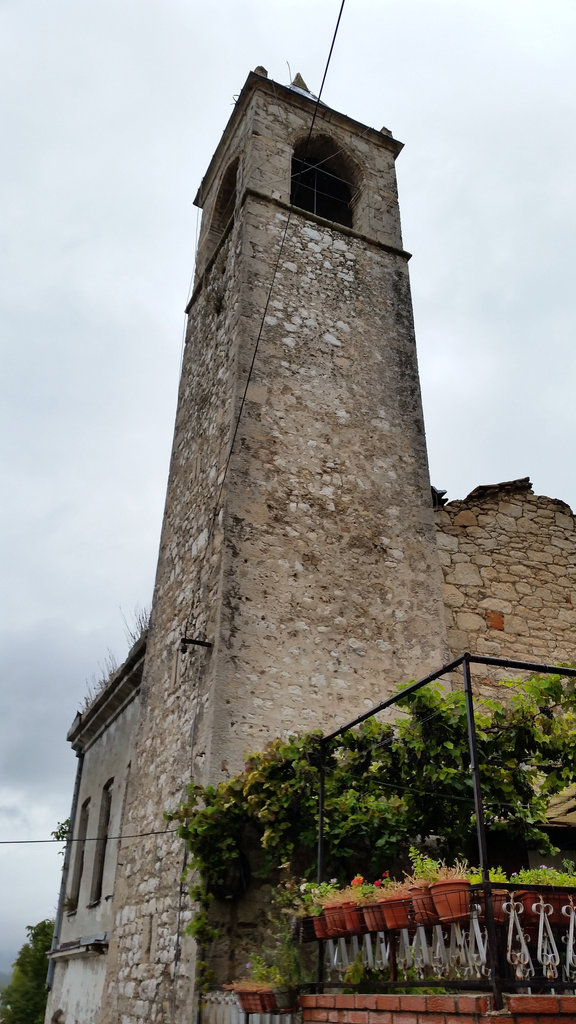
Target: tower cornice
x=324 y=117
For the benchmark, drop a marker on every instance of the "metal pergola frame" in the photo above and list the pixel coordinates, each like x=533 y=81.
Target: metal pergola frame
x=464 y=661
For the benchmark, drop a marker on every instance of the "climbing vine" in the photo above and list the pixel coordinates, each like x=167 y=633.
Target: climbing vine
x=389 y=786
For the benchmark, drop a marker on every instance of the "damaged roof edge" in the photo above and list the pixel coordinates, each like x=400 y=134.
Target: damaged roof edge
x=506 y=486
x=121 y=688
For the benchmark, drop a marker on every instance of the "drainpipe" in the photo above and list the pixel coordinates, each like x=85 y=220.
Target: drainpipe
x=65 y=870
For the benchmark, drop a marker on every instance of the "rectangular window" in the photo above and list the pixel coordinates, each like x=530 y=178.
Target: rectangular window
x=101 y=843
x=72 y=900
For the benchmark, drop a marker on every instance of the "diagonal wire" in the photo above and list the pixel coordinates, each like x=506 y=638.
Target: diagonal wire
x=269 y=296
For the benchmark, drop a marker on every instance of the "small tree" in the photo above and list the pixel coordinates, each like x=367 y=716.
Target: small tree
x=23 y=1001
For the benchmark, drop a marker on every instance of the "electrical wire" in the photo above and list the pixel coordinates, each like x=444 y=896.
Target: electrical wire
x=88 y=839
x=274 y=274
x=216 y=509
x=392 y=786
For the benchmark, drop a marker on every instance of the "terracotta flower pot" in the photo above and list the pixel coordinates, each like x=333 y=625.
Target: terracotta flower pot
x=354 y=917
x=554 y=898
x=319 y=924
x=335 y=921
x=373 y=917
x=256 y=1000
x=451 y=899
x=396 y=912
x=423 y=904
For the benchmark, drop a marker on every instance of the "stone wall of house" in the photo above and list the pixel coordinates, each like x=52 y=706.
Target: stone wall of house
x=509 y=563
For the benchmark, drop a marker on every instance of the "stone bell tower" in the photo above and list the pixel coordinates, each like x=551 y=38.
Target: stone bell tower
x=298 y=541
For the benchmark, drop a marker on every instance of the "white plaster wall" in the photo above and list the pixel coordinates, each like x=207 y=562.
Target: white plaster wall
x=77 y=989
x=107 y=758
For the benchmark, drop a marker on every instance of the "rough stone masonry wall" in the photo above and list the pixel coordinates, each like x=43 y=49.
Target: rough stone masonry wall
x=331 y=586
x=509 y=563
x=150 y=970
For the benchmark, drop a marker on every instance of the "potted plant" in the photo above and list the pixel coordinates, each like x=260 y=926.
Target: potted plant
x=451 y=892
x=313 y=897
x=553 y=889
x=396 y=906
x=425 y=871
x=389 y=907
x=256 y=991
x=278 y=968
x=343 y=907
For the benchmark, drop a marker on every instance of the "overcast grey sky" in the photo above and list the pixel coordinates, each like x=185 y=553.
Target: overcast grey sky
x=110 y=111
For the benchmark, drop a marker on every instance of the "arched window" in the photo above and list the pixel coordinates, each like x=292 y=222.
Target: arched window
x=322 y=180
x=224 y=205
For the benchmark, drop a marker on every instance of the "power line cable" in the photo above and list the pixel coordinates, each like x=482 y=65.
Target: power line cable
x=266 y=306
x=88 y=839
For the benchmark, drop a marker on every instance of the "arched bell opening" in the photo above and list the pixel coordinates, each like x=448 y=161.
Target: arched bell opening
x=224 y=205
x=323 y=180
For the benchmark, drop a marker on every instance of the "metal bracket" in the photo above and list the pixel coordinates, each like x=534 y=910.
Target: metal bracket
x=187 y=642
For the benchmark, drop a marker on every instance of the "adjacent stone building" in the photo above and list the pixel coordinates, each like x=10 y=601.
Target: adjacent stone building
x=509 y=564
x=302 y=574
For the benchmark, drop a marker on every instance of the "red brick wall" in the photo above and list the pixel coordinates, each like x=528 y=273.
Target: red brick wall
x=458 y=1009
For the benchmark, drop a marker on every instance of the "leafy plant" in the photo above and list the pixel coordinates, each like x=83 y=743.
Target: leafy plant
x=70 y=904
x=137 y=624
x=494 y=875
x=315 y=895
x=459 y=869
x=358 y=891
x=61 y=834
x=357 y=974
x=204 y=932
x=388 y=786
x=545 y=875
x=23 y=1001
x=424 y=869
x=279 y=964
x=262 y=972
x=362 y=978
